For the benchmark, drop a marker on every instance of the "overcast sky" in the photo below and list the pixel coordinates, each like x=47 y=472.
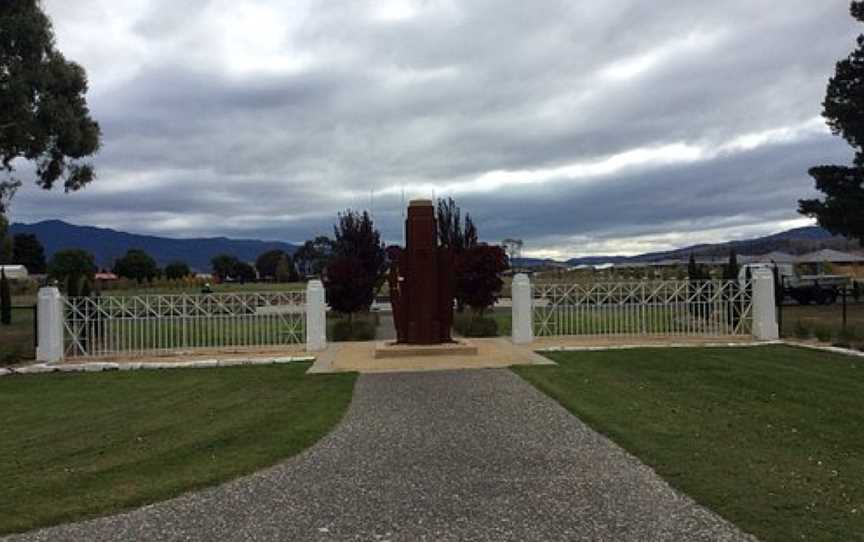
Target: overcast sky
x=582 y=127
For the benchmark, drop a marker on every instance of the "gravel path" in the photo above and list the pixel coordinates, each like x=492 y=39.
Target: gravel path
x=469 y=455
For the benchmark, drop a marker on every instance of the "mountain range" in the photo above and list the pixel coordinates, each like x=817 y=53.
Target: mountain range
x=107 y=245
x=794 y=241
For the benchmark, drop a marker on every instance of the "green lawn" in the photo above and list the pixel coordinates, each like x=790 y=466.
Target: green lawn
x=16 y=340
x=772 y=438
x=80 y=445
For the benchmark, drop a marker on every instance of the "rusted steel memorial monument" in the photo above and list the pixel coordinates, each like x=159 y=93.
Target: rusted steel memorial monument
x=421 y=282
x=421 y=290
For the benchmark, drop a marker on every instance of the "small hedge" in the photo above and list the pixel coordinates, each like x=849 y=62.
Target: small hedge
x=345 y=330
x=471 y=325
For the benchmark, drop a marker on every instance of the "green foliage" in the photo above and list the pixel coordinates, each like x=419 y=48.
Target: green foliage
x=177 y=270
x=43 y=111
x=267 y=263
x=353 y=330
x=731 y=269
x=695 y=271
x=473 y=325
x=6 y=246
x=5 y=300
x=136 y=265
x=285 y=271
x=823 y=334
x=224 y=266
x=70 y=267
x=243 y=273
x=29 y=252
x=457 y=236
x=801 y=330
x=358 y=266
x=478 y=275
x=840 y=210
x=312 y=258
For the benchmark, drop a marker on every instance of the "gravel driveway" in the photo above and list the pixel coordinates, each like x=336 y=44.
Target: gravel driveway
x=468 y=455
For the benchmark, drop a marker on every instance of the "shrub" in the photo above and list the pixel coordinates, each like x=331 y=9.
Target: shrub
x=846 y=337
x=801 y=331
x=472 y=325
x=349 y=330
x=823 y=334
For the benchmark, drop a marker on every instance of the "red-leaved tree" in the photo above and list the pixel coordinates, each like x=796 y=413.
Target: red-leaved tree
x=478 y=275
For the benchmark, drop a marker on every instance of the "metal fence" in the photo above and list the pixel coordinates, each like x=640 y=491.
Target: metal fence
x=839 y=320
x=136 y=325
x=667 y=308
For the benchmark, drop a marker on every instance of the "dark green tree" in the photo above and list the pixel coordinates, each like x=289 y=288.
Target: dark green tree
x=285 y=271
x=696 y=271
x=458 y=237
x=224 y=266
x=6 y=243
x=478 y=273
x=137 y=265
x=177 y=270
x=44 y=116
x=29 y=252
x=5 y=300
x=731 y=269
x=244 y=272
x=267 y=262
x=313 y=256
x=71 y=267
x=358 y=266
x=841 y=211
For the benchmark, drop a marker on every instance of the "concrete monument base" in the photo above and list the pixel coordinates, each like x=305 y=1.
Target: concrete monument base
x=390 y=349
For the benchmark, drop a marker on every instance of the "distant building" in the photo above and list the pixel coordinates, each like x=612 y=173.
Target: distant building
x=15 y=272
x=105 y=276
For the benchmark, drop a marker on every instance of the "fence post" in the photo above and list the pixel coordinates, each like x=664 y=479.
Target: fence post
x=50 y=315
x=523 y=326
x=764 y=306
x=316 y=317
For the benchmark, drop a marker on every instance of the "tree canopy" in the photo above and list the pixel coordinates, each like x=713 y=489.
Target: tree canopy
x=268 y=263
x=224 y=266
x=71 y=267
x=137 y=265
x=841 y=211
x=358 y=266
x=177 y=270
x=29 y=252
x=44 y=117
x=478 y=275
x=313 y=256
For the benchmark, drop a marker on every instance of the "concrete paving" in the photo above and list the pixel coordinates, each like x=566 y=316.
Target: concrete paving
x=465 y=455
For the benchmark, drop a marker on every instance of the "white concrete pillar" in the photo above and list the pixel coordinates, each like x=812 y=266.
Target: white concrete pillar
x=764 y=306
x=523 y=325
x=316 y=317
x=50 y=314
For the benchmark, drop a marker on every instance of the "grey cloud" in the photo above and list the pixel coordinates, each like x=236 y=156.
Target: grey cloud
x=447 y=97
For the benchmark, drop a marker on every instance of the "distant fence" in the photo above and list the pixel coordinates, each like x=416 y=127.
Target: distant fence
x=667 y=308
x=137 y=325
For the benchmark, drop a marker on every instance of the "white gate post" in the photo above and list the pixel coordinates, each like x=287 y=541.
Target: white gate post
x=523 y=326
x=316 y=317
x=764 y=306
x=49 y=312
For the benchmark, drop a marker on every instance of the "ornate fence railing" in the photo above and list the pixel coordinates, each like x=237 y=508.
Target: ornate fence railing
x=669 y=308
x=135 y=325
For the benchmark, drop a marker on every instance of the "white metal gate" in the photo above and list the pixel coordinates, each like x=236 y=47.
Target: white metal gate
x=136 y=325
x=713 y=308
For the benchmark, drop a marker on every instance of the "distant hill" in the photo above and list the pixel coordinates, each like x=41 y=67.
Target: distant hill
x=795 y=241
x=106 y=245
